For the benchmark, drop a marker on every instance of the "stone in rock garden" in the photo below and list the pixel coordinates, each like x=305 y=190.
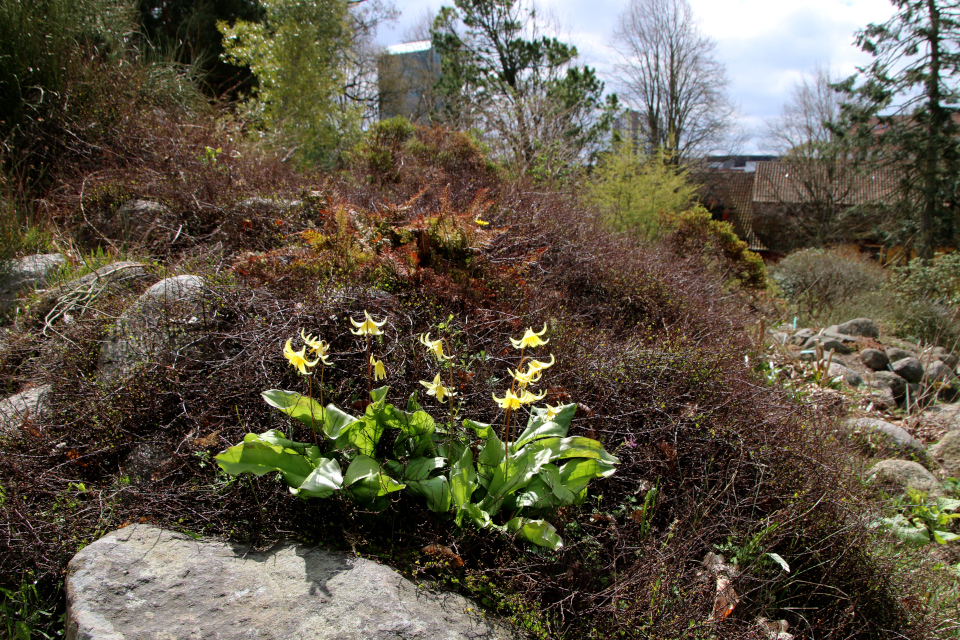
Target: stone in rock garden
x=31 y=271
x=946 y=357
x=140 y=222
x=881 y=398
x=827 y=344
x=70 y=299
x=897 y=475
x=842 y=337
x=146 y=583
x=849 y=376
x=947 y=452
x=941 y=416
x=874 y=359
x=896 y=384
x=24 y=406
x=897 y=437
x=267 y=206
x=910 y=369
x=896 y=353
x=860 y=327
x=163 y=322
x=938 y=371
x=801 y=336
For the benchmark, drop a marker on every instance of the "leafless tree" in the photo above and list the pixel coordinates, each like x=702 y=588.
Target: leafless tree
x=803 y=128
x=670 y=74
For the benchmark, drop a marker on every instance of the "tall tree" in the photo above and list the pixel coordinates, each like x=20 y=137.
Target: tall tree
x=504 y=74
x=906 y=115
x=670 y=74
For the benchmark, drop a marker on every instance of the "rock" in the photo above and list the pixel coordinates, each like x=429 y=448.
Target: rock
x=26 y=405
x=946 y=357
x=947 y=453
x=141 y=222
x=827 y=344
x=896 y=438
x=146 y=583
x=780 y=337
x=938 y=371
x=266 y=206
x=32 y=271
x=874 y=359
x=896 y=353
x=896 y=384
x=849 y=376
x=164 y=320
x=860 y=327
x=881 y=398
x=842 y=337
x=910 y=369
x=941 y=416
x=900 y=474
x=801 y=336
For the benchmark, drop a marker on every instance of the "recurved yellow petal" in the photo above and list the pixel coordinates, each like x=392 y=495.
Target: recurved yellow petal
x=298 y=359
x=531 y=339
x=369 y=326
x=437 y=389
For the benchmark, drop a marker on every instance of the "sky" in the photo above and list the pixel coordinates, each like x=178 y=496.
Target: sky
x=766 y=45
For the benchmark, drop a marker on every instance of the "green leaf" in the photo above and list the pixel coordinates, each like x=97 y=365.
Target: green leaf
x=550 y=475
x=379 y=394
x=412 y=404
x=491 y=457
x=435 y=490
x=536 y=431
x=779 y=560
x=463 y=482
x=905 y=530
x=948 y=504
x=323 y=481
x=259 y=457
x=576 y=447
x=416 y=469
x=366 y=482
x=416 y=431
x=364 y=434
x=478 y=516
x=943 y=537
x=539 y=532
x=513 y=475
x=336 y=421
x=482 y=430
x=296 y=405
x=536 y=495
x=577 y=473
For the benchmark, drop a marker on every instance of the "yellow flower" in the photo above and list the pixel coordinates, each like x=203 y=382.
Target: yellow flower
x=369 y=326
x=379 y=373
x=509 y=401
x=482 y=223
x=529 y=398
x=525 y=378
x=530 y=339
x=551 y=412
x=539 y=365
x=436 y=388
x=433 y=346
x=298 y=359
x=317 y=347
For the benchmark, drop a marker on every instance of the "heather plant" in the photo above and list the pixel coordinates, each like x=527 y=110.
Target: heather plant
x=478 y=471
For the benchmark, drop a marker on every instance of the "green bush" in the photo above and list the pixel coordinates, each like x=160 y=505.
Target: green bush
x=926 y=295
x=823 y=282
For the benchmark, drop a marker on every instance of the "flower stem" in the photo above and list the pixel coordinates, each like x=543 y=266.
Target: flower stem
x=313 y=421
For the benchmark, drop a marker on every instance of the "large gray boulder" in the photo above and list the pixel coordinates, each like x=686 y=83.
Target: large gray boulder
x=910 y=369
x=71 y=299
x=938 y=371
x=947 y=453
x=897 y=475
x=145 y=583
x=874 y=359
x=890 y=435
x=946 y=357
x=163 y=323
x=945 y=417
x=24 y=406
x=801 y=336
x=849 y=376
x=889 y=379
x=31 y=271
x=898 y=353
x=860 y=327
x=140 y=222
x=827 y=343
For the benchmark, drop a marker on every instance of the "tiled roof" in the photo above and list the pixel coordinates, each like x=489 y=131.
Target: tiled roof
x=791 y=183
x=732 y=190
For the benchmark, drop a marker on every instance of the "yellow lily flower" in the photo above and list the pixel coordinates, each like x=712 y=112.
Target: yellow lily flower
x=369 y=326
x=529 y=398
x=530 y=339
x=524 y=378
x=298 y=359
x=437 y=389
x=540 y=365
x=482 y=223
x=317 y=347
x=434 y=346
x=379 y=373
x=551 y=412
x=509 y=401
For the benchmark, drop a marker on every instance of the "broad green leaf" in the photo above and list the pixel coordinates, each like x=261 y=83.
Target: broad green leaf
x=435 y=490
x=906 y=530
x=258 y=457
x=948 y=504
x=379 y=394
x=477 y=515
x=491 y=456
x=576 y=474
x=482 y=430
x=412 y=404
x=323 y=481
x=575 y=447
x=536 y=495
x=417 y=469
x=511 y=476
x=364 y=434
x=335 y=421
x=539 y=532
x=779 y=560
x=296 y=405
x=536 y=431
x=366 y=482
x=943 y=537
x=416 y=431
x=463 y=482
x=563 y=416
x=550 y=474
